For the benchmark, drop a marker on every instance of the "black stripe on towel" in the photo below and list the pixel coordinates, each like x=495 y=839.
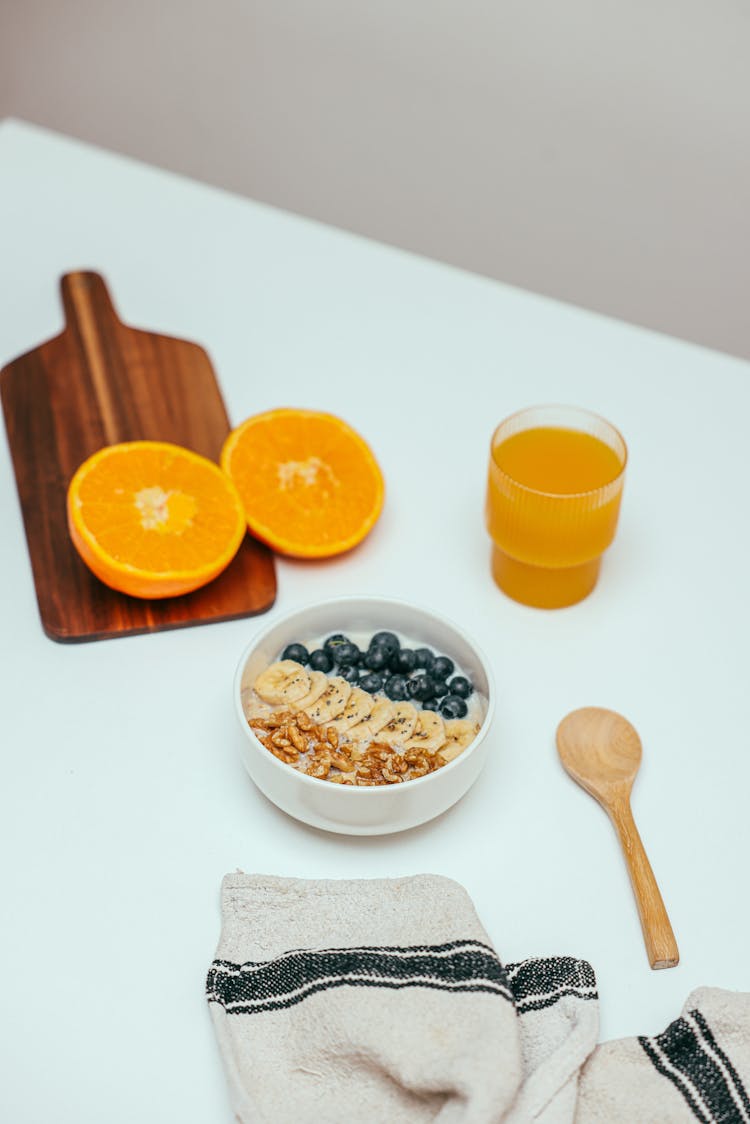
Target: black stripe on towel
x=403 y=950
x=734 y=1077
x=544 y=981
x=687 y=1054
x=255 y=986
x=343 y=981
x=677 y=1080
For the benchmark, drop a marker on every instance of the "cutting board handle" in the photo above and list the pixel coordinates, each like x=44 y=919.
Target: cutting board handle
x=91 y=318
x=86 y=298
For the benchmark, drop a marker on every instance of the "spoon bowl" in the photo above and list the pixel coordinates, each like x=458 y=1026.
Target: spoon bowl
x=602 y=751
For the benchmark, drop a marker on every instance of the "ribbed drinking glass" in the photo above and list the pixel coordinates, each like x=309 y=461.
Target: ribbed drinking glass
x=553 y=499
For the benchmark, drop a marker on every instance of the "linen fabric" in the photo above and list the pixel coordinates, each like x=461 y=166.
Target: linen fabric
x=348 y=1001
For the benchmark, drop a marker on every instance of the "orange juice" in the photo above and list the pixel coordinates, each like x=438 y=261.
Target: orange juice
x=553 y=500
x=561 y=461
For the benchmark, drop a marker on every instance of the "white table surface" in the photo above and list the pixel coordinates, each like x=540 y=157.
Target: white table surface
x=123 y=799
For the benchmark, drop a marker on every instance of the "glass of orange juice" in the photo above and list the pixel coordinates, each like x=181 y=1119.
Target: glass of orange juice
x=553 y=499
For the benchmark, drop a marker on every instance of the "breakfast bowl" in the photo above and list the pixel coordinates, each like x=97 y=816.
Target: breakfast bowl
x=356 y=807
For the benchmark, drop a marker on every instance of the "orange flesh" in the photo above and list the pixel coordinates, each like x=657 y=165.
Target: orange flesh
x=152 y=519
x=310 y=485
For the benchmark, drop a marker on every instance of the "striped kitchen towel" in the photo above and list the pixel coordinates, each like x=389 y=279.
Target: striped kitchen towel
x=383 y=1002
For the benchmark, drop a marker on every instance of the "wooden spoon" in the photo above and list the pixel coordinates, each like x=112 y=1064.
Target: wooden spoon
x=601 y=751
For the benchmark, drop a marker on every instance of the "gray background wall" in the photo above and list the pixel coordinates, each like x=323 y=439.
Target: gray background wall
x=592 y=150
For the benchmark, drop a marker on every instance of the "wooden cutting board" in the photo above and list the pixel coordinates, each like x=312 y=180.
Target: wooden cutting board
x=97 y=383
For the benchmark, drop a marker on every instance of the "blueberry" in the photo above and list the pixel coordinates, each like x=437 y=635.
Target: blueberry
x=395 y=687
x=350 y=673
x=461 y=687
x=421 y=687
x=297 y=652
x=431 y=704
x=404 y=661
x=346 y=653
x=424 y=658
x=387 y=640
x=439 y=687
x=320 y=660
x=443 y=667
x=377 y=659
x=334 y=641
x=453 y=707
x=371 y=682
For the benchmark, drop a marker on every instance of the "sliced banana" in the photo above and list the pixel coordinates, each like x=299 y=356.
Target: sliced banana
x=356 y=710
x=283 y=682
x=460 y=733
x=383 y=712
x=450 y=752
x=318 y=684
x=332 y=702
x=429 y=732
x=380 y=715
x=461 y=730
x=401 y=726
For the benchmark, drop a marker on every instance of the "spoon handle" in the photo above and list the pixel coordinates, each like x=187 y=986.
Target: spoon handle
x=661 y=946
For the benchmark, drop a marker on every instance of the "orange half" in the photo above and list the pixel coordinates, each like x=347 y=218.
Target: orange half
x=310 y=485
x=153 y=519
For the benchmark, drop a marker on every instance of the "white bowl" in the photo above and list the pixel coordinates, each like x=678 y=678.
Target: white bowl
x=347 y=809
